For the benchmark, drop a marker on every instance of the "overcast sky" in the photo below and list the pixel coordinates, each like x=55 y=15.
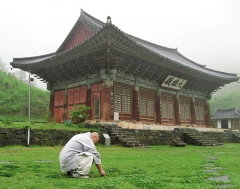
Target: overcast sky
x=205 y=31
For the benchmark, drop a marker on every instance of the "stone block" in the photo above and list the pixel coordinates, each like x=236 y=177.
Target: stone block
x=3 y=136
x=21 y=136
x=10 y=135
x=153 y=142
x=4 y=130
x=3 y=142
x=14 y=142
x=21 y=131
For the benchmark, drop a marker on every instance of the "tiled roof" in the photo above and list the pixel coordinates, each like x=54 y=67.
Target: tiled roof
x=167 y=53
x=225 y=114
x=174 y=55
x=33 y=59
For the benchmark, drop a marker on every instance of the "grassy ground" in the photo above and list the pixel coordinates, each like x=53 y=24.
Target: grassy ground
x=155 y=167
x=51 y=125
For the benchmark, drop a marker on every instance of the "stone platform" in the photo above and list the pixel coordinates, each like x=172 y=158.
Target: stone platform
x=142 y=126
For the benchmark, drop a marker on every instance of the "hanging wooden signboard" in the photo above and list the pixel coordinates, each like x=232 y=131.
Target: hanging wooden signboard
x=174 y=82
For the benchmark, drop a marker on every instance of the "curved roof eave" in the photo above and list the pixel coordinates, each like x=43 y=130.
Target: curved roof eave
x=174 y=56
x=169 y=54
x=37 y=60
x=31 y=60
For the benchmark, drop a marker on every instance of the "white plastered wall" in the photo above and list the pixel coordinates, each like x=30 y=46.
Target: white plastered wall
x=229 y=124
x=219 y=125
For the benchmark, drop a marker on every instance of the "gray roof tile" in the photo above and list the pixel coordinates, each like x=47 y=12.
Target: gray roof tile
x=226 y=113
x=168 y=53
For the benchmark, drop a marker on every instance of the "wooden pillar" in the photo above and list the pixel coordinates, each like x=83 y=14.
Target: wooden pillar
x=88 y=101
x=106 y=100
x=51 y=107
x=135 y=99
x=158 y=106
x=135 y=112
x=193 y=115
x=207 y=112
x=177 y=117
x=65 y=105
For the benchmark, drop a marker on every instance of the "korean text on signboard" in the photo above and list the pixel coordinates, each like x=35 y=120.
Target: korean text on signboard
x=174 y=82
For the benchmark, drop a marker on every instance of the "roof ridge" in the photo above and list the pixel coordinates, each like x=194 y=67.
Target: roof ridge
x=138 y=42
x=236 y=111
x=94 y=21
x=167 y=49
x=197 y=64
x=154 y=44
x=99 y=22
x=226 y=109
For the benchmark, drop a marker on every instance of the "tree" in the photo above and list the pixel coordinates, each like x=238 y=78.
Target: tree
x=21 y=75
x=3 y=66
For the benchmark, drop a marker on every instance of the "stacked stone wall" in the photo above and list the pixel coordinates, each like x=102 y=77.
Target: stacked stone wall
x=10 y=136
x=163 y=137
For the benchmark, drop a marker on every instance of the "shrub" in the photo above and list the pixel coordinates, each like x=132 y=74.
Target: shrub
x=79 y=113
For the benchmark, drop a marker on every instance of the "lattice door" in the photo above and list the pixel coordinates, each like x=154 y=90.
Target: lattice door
x=185 y=111
x=199 y=112
x=146 y=105
x=167 y=110
x=122 y=102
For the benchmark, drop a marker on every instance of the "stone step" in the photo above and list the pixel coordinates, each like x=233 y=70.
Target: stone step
x=125 y=137
x=128 y=140
x=197 y=138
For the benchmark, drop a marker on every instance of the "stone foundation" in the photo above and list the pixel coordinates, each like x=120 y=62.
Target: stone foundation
x=10 y=136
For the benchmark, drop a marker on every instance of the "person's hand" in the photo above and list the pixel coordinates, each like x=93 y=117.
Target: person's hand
x=102 y=172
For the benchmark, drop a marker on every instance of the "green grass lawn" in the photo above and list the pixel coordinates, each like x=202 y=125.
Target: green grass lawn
x=44 y=126
x=156 y=167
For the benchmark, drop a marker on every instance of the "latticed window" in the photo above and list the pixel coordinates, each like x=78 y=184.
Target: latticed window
x=143 y=104
x=126 y=104
x=117 y=103
x=184 y=110
x=97 y=108
x=199 y=112
x=150 y=107
x=122 y=99
x=146 y=106
x=146 y=103
x=167 y=109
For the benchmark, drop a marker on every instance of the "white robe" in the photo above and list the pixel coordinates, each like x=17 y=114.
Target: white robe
x=78 y=145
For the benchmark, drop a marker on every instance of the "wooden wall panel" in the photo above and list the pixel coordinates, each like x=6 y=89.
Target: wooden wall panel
x=58 y=115
x=58 y=98
x=70 y=96
x=69 y=108
x=76 y=95
x=83 y=93
x=97 y=87
x=80 y=35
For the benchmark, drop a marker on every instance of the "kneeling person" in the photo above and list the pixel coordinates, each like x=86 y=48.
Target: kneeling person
x=79 y=153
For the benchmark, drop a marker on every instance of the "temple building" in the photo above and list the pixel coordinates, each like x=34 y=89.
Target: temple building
x=123 y=77
x=226 y=118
